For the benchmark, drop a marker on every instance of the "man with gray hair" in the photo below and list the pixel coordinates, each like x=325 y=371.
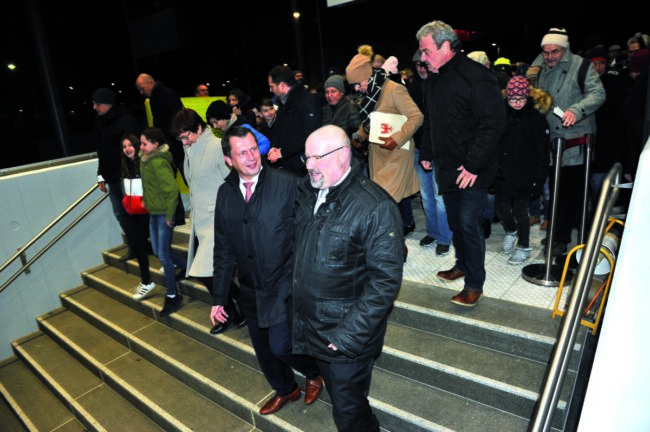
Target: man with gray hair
x=576 y=96
x=464 y=121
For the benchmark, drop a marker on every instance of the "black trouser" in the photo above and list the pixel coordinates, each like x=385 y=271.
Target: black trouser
x=513 y=212
x=569 y=201
x=348 y=385
x=273 y=348
x=138 y=240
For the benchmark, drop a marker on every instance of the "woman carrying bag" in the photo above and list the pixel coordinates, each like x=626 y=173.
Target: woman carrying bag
x=138 y=239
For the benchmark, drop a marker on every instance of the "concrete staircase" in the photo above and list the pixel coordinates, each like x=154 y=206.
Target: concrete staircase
x=106 y=362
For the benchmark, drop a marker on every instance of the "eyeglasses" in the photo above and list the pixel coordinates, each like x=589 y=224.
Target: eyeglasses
x=184 y=137
x=305 y=158
x=517 y=100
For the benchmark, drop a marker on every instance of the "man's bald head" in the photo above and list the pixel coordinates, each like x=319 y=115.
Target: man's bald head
x=144 y=83
x=327 y=156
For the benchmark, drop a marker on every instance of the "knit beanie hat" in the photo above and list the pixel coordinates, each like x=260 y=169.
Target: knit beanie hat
x=556 y=36
x=104 y=96
x=517 y=87
x=335 y=81
x=480 y=57
x=639 y=61
x=597 y=54
x=360 y=69
x=218 y=110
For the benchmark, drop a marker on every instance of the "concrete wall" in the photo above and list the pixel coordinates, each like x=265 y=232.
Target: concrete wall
x=618 y=396
x=30 y=201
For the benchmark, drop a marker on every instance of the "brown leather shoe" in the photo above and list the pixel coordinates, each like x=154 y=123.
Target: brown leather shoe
x=313 y=388
x=467 y=298
x=534 y=220
x=544 y=226
x=277 y=402
x=450 y=275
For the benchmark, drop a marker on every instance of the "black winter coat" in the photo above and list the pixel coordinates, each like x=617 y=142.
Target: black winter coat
x=524 y=153
x=296 y=120
x=347 y=269
x=463 y=122
x=165 y=103
x=258 y=237
x=109 y=129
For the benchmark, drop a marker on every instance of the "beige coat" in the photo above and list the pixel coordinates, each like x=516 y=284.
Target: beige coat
x=395 y=170
x=205 y=171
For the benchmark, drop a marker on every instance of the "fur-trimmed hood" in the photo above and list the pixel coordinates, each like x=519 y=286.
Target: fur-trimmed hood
x=542 y=101
x=160 y=151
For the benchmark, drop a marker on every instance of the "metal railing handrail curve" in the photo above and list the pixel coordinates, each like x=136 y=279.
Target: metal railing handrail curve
x=548 y=401
x=38 y=236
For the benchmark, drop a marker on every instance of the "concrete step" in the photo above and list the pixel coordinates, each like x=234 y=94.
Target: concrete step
x=32 y=402
x=170 y=403
x=234 y=386
x=9 y=422
x=405 y=354
x=95 y=404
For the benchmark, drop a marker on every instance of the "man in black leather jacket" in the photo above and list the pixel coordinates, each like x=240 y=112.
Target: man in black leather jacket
x=347 y=271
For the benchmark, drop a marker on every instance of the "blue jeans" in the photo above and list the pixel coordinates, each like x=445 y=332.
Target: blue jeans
x=161 y=242
x=489 y=209
x=464 y=213
x=433 y=204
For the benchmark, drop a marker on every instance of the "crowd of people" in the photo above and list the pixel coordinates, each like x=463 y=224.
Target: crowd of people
x=301 y=202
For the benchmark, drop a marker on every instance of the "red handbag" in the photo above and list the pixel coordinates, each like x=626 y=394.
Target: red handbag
x=132 y=201
x=134 y=205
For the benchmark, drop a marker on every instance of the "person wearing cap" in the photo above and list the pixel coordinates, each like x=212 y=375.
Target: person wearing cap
x=391 y=159
x=461 y=132
x=111 y=124
x=523 y=164
x=220 y=116
x=556 y=71
x=503 y=70
x=340 y=111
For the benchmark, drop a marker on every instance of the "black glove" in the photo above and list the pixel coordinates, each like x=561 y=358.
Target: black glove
x=537 y=188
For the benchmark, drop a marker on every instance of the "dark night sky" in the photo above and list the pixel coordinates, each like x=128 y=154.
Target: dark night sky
x=186 y=42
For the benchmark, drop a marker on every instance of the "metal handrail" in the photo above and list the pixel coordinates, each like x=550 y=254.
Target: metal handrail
x=38 y=236
x=541 y=420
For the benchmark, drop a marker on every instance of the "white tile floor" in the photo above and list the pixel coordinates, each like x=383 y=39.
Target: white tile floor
x=503 y=281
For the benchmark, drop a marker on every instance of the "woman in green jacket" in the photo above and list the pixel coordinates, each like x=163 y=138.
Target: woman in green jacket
x=161 y=197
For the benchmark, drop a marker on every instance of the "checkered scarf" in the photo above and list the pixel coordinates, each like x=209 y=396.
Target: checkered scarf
x=369 y=100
